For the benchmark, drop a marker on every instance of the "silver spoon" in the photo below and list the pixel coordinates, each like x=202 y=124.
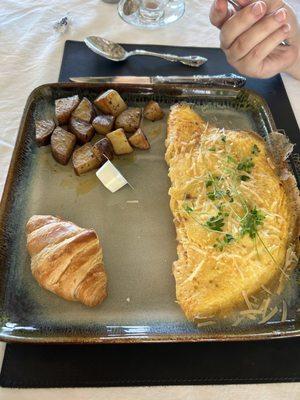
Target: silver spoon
x=115 y=52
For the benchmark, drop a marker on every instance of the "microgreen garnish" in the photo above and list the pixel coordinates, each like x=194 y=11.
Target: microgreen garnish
x=251 y=222
x=255 y=150
x=246 y=165
x=216 y=194
x=245 y=178
x=228 y=193
x=221 y=243
x=188 y=208
x=231 y=159
x=216 y=222
x=223 y=190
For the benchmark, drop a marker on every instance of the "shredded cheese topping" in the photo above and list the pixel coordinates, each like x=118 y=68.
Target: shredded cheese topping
x=232 y=218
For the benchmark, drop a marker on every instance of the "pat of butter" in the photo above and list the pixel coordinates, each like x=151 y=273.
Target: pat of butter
x=111 y=178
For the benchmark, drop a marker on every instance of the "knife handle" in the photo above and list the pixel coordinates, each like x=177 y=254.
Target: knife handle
x=230 y=80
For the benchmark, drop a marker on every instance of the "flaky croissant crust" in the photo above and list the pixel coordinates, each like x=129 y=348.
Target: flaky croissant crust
x=66 y=259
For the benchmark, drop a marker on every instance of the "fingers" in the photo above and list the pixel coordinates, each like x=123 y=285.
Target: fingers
x=241 y=22
x=267 y=58
x=219 y=13
x=263 y=49
x=255 y=35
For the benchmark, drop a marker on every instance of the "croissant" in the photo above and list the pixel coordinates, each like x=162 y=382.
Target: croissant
x=66 y=259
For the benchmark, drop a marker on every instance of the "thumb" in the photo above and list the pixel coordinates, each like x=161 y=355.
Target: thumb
x=219 y=13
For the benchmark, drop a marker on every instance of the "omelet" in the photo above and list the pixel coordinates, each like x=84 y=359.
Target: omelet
x=236 y=219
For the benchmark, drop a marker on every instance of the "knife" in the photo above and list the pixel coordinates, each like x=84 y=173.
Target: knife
x=229 y=80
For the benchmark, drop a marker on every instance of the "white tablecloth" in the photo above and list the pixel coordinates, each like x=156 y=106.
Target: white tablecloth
x=30 y=54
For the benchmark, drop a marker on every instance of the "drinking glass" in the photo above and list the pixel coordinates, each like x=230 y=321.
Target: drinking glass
x=151 y=14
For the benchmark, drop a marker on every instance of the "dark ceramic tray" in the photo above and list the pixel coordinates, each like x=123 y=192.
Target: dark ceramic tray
x=138 y=237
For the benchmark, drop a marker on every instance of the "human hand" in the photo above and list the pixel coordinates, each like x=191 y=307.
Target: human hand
x=251 y=37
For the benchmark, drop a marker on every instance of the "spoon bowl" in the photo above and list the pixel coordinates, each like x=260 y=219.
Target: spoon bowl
x=106 y=48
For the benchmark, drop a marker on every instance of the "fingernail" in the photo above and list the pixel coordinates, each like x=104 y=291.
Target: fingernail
x=286 y=28
x=280 y=15
x=258 y=8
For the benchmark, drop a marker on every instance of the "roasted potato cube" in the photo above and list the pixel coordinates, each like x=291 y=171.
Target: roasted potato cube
x=84 y=111
x=103 y=150
x=153 y=111
x=82 y=130
x=43 y=131
x=103 y=123
x=129 y=119
x=110 y=102
x=84 y=159
x=62 y=145
x=139 y=140
x=64 y=108
x=119 y=142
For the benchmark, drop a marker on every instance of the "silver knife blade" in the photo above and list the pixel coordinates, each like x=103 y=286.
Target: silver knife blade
x=230 y=80
x=112 y=79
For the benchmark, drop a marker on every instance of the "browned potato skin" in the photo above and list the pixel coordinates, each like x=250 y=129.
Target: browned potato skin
x=84 y=159
x=129 y=119
x=62 y=145
x=119 y=142
x=110 y=102
x=84 y=111
x=43 y=131
x=103 y=124
x=103 y=150
x=64 y=108
x=82 y=130
x=153 y=111
x=139 y=140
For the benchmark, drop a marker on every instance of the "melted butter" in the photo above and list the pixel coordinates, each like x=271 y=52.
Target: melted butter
x=82 y=185
x=86 y=185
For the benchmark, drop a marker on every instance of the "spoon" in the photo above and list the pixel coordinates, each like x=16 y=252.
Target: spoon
x=115 y=52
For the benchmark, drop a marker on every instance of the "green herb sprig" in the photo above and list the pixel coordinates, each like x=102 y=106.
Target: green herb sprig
x=246 y=165
x=251 y=222
x=255 y=150
x=226 y=240
x=188 y=208
x=216 y=222
x=216 y=194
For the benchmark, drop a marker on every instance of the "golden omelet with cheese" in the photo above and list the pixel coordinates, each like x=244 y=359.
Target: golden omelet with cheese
x=236 y=219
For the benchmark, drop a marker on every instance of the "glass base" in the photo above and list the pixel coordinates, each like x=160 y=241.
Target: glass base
x=172 y=12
